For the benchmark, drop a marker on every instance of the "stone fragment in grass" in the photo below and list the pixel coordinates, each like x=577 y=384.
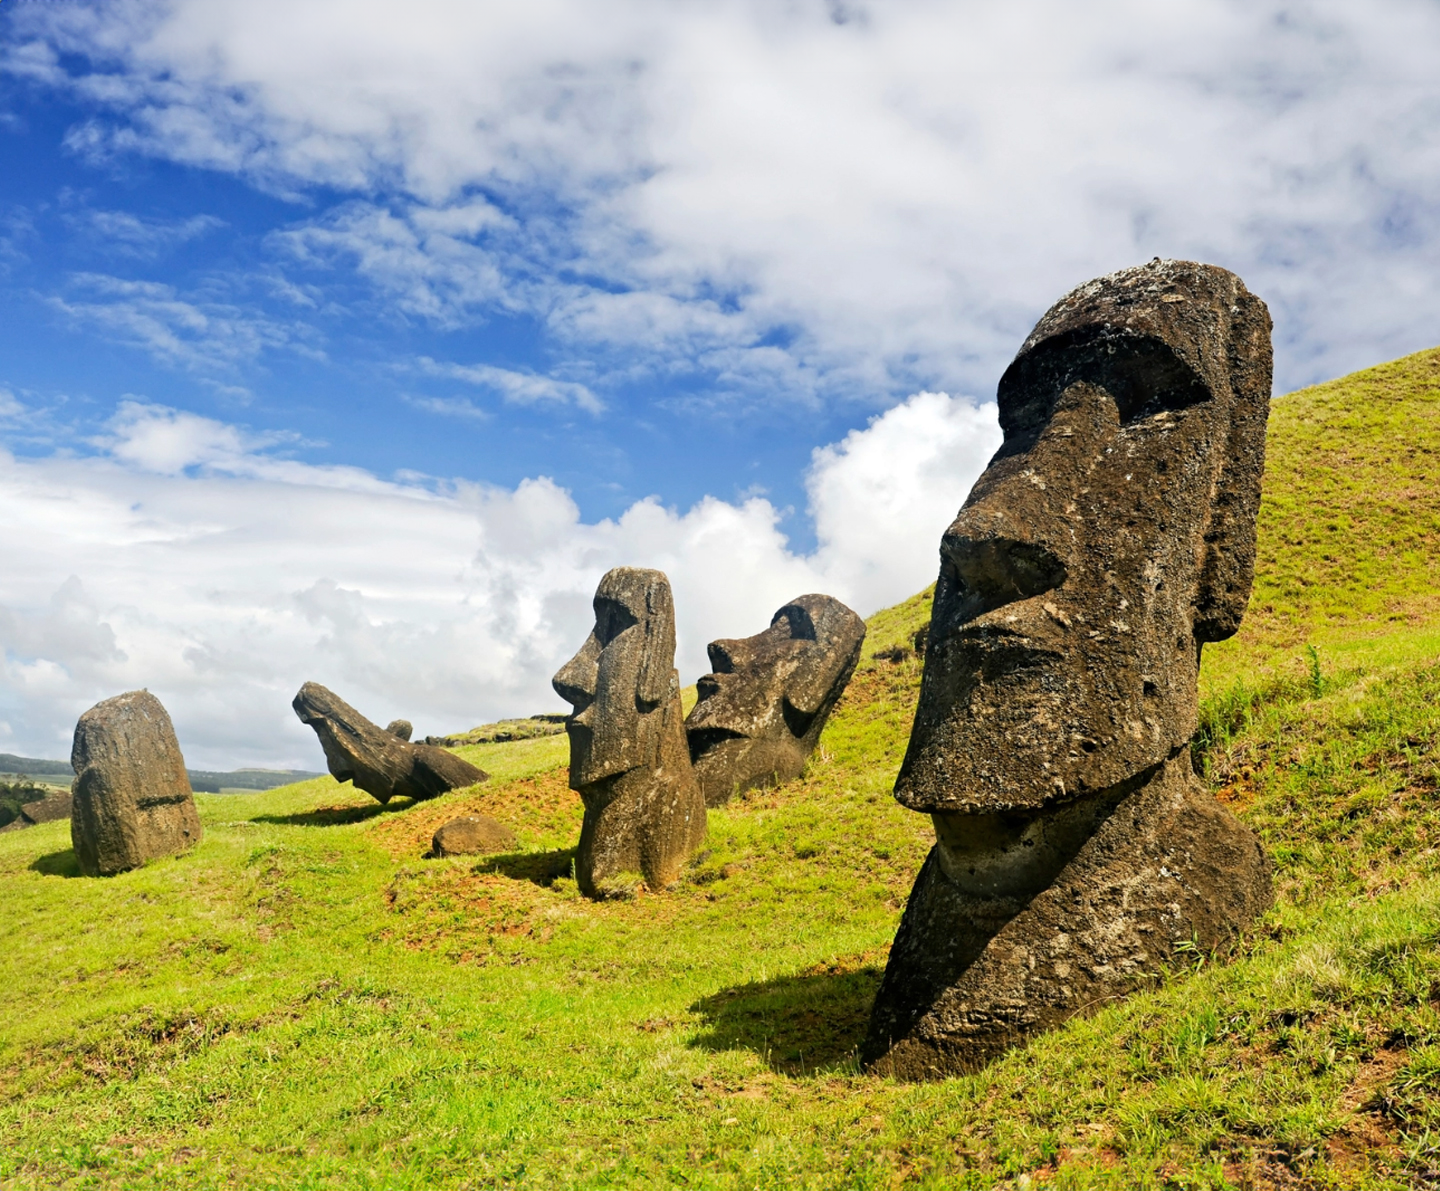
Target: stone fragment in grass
x=1112 y=535
x=401 y=728
x=52 y=807
x=629 y=761
x=761 y=712
x=376 y=760
x=132 y=799
x=471 y=835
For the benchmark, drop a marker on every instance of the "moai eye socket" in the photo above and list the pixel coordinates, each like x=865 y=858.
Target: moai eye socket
x=611 y=619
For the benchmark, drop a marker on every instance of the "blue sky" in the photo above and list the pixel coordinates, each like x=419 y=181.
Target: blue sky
x=112 y=260
x=353 y=344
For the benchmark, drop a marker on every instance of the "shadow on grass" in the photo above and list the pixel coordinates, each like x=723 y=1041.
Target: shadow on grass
x=800 y=1025
x=335 y=816
x=539 y=868
x=57 y=864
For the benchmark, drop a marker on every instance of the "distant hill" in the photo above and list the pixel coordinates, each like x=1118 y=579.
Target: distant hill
x=504 y=731
x=205 y=781
x=211 y=782
x=34 y=766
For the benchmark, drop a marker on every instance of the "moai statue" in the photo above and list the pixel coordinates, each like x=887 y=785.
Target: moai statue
x=761 y=712
x=628 y=759
x=1112 y=535
x=131 y=796
x=380 y=761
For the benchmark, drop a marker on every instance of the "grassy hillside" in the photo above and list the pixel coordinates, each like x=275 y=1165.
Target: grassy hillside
x=1349 y=557
x=306 y=1002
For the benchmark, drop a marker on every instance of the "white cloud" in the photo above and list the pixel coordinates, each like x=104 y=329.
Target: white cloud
x=190 y=559
x=448 y=407
x=424 y=258
x=132 y=235
x=882 y=496
x=519 y=388
x=897 y=195
x=189 y=332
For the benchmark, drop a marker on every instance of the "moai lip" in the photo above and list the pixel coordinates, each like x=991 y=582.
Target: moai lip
x=629 y=762
x=1110 y=538
x=762 y=709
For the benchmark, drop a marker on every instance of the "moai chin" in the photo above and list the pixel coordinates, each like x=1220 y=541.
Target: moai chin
x=628 y=758
x=1112 y=535
x=761 y=711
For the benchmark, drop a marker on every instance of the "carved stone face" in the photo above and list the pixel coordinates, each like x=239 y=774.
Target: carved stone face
x=760 y=713
x=1112 y=534
x=621 y=677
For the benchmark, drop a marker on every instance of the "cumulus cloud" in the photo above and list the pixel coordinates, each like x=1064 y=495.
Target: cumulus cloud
x=804 y=198
x=191 y=558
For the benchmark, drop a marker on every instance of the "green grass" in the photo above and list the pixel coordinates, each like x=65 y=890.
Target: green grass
x=1349 y=555
x=304 y=1001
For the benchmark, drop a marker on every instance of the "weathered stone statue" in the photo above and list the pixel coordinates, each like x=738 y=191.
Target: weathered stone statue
x=1112 y=535
x=761 y=712
x=644 y=813
x=378 y=760
x=131 y=796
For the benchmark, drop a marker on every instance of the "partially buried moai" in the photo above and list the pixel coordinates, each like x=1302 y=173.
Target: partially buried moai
x=1112 y=535
x=132 y=798
x=761 y=712
x=644 y=814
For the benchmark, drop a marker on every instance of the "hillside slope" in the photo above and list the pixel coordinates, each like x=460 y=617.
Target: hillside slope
x=306 y=1002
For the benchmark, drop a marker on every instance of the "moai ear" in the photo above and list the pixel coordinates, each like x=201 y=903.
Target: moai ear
x=1228 y=567
x=657 y=654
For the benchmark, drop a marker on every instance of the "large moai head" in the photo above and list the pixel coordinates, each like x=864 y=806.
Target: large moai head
x=622 y=677
x=761 y=711
x=1111 y=536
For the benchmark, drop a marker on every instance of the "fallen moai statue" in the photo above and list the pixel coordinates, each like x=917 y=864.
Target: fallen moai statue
x=644 y=813
x=131 y=797
x=761 y=711
x=378 y=761
x=1112 y=535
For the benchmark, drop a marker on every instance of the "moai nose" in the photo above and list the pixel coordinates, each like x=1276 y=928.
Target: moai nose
x=991 y=571
x=728 y=655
